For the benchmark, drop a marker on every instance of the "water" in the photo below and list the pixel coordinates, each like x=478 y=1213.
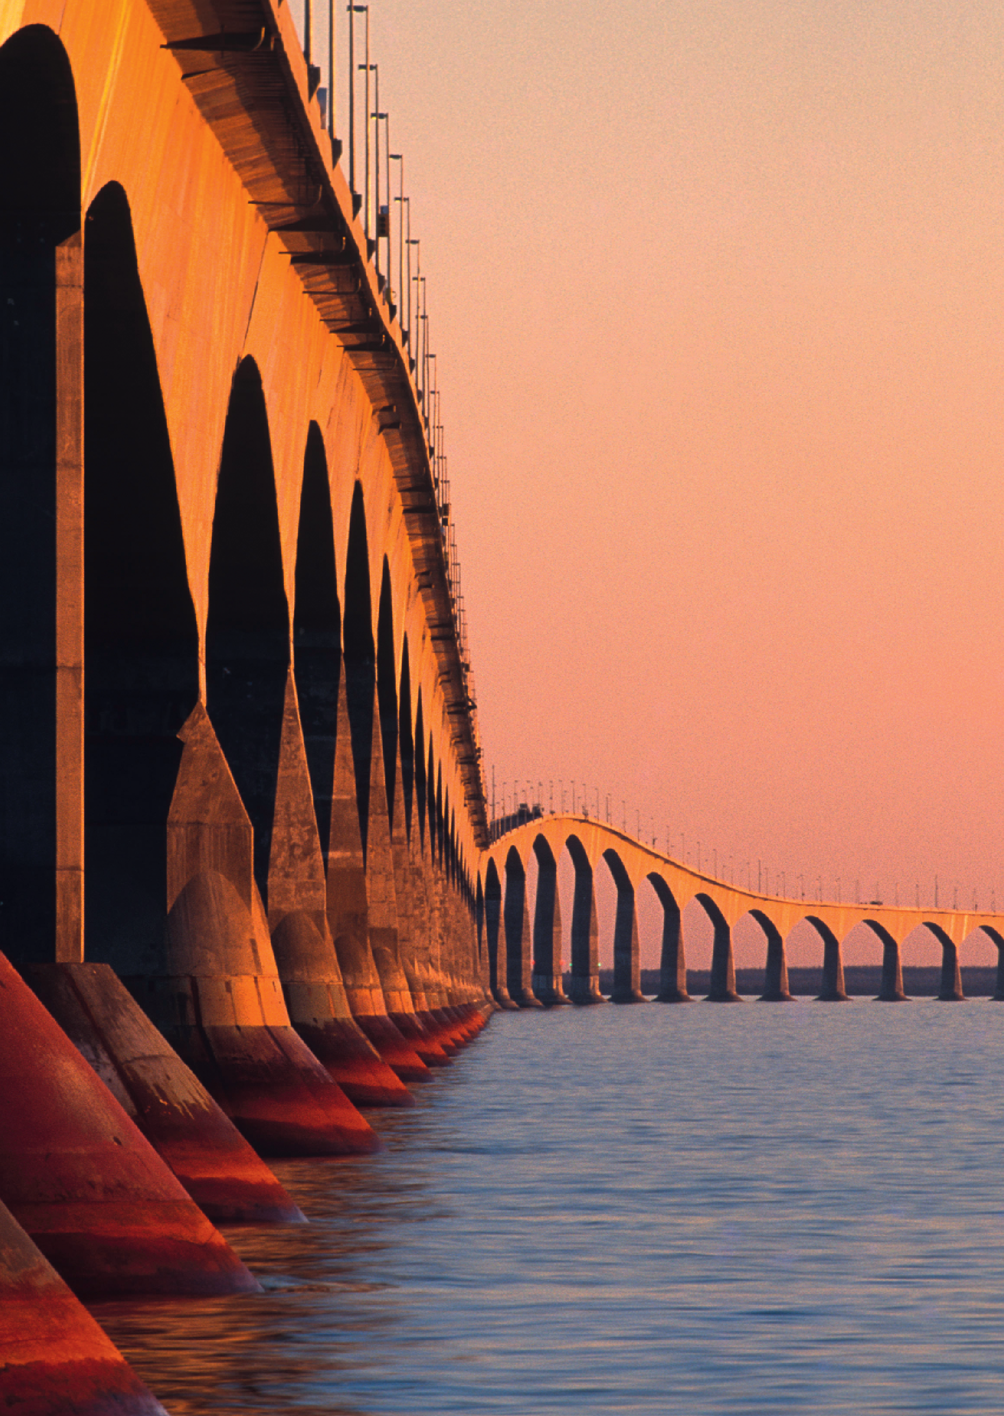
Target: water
x=701 y=1209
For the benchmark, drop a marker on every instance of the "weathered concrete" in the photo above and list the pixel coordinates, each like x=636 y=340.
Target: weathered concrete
x=165 y=1099
x=54 y=1359
x=83 y=1181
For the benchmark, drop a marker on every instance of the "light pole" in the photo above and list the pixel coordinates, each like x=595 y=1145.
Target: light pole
x=397 y=157
x=353 y=11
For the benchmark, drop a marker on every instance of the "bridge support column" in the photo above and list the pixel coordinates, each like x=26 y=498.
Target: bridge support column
x=495 y=940
x=723 y=968
x=775 y=982
x=516 y=919
x=348 y=919
x=627 y=954
x=998 y=940
x=832 y=988
x=219 y=1000
x=546 y=980
x=950 y=988
x=673 y=960
x=891 y=990
x=584 y=986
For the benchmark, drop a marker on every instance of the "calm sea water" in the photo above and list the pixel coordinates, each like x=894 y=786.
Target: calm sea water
x=699 y=1209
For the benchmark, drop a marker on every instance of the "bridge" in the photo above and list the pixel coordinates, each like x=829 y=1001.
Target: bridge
x=525 y=960
x=247 y=880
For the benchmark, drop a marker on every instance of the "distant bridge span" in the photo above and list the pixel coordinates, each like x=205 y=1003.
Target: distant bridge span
x=525 y=959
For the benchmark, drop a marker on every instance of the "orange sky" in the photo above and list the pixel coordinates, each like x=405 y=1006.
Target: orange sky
x=716 y=291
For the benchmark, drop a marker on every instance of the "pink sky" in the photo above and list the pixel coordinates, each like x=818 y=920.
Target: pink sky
x=716 y=292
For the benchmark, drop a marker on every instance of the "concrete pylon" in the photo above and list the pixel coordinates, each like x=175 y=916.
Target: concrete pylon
x=348 y=912
x=673 y=958
x=775 y=981
x=546 y=980
x=78 y=1175
x=54 y=1359
x=305 y=955
x=186 y=1127
x=518 y=942
x=495 y=940
x=627 y=952
x=584 y=984
x=221 y=1003
x=832 y=989
x=950 y=987
x=891 y=990
x=427 y=1041
x=723 y=967
x=424 y=965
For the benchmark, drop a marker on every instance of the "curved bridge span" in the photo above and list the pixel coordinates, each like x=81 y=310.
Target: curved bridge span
x=525 y=959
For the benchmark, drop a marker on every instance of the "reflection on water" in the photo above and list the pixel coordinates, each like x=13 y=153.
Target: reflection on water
x=694 y=1210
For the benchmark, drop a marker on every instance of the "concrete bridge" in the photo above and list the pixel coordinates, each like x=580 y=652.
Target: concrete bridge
x=525 y=958
x=239 y=761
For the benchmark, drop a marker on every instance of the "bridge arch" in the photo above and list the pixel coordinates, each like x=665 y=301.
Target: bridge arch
x=950 y=982
x=247 y=629
x=359 y=653
x=996 y=938
x=386 y=671
x=41 y=568
x=141 y=637
x=317 y=630
x=406 y=737
x=516 y=919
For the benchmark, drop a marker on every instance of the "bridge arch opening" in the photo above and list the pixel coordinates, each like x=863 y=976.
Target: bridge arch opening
x=518 y=938
x=317 y=628
x=406 y=736
x=891 y=986
x=421 y=774
x=775 y=978
x=387 y=681
x=548 y=966
x=584 y=929
x=140 y=632
x=40 y=313
x=996 y=939
x=359 y=653
x=247 y=631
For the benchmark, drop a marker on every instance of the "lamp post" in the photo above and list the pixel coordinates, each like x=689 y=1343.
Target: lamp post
x=397 y=157
x=353 y=11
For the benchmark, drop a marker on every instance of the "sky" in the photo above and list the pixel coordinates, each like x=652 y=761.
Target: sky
x=715 y=291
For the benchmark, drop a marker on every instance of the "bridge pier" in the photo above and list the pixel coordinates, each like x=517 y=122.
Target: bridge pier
x=546 y=980
x=723 y=968
x=584 y=984
x=516 y=922
x=495 y=939
x=627 y=955
x=673 y=958
x=832 y=989
x=998 y=941
x=891 y=990
x=950 y=986
x=775 y=982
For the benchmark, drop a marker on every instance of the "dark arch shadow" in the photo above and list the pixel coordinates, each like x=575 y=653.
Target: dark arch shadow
x=247 y=633
x=421 y=777
x=832 y=988
x=673 y=958
x=627 y=954
x=40 y=311
x=387 y=682
x=406 y=737
x=317 y=629
x=359 y=652
x=516 y=922
x=140 y=631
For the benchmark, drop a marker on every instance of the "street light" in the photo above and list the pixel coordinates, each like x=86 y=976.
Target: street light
x=353 y=11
